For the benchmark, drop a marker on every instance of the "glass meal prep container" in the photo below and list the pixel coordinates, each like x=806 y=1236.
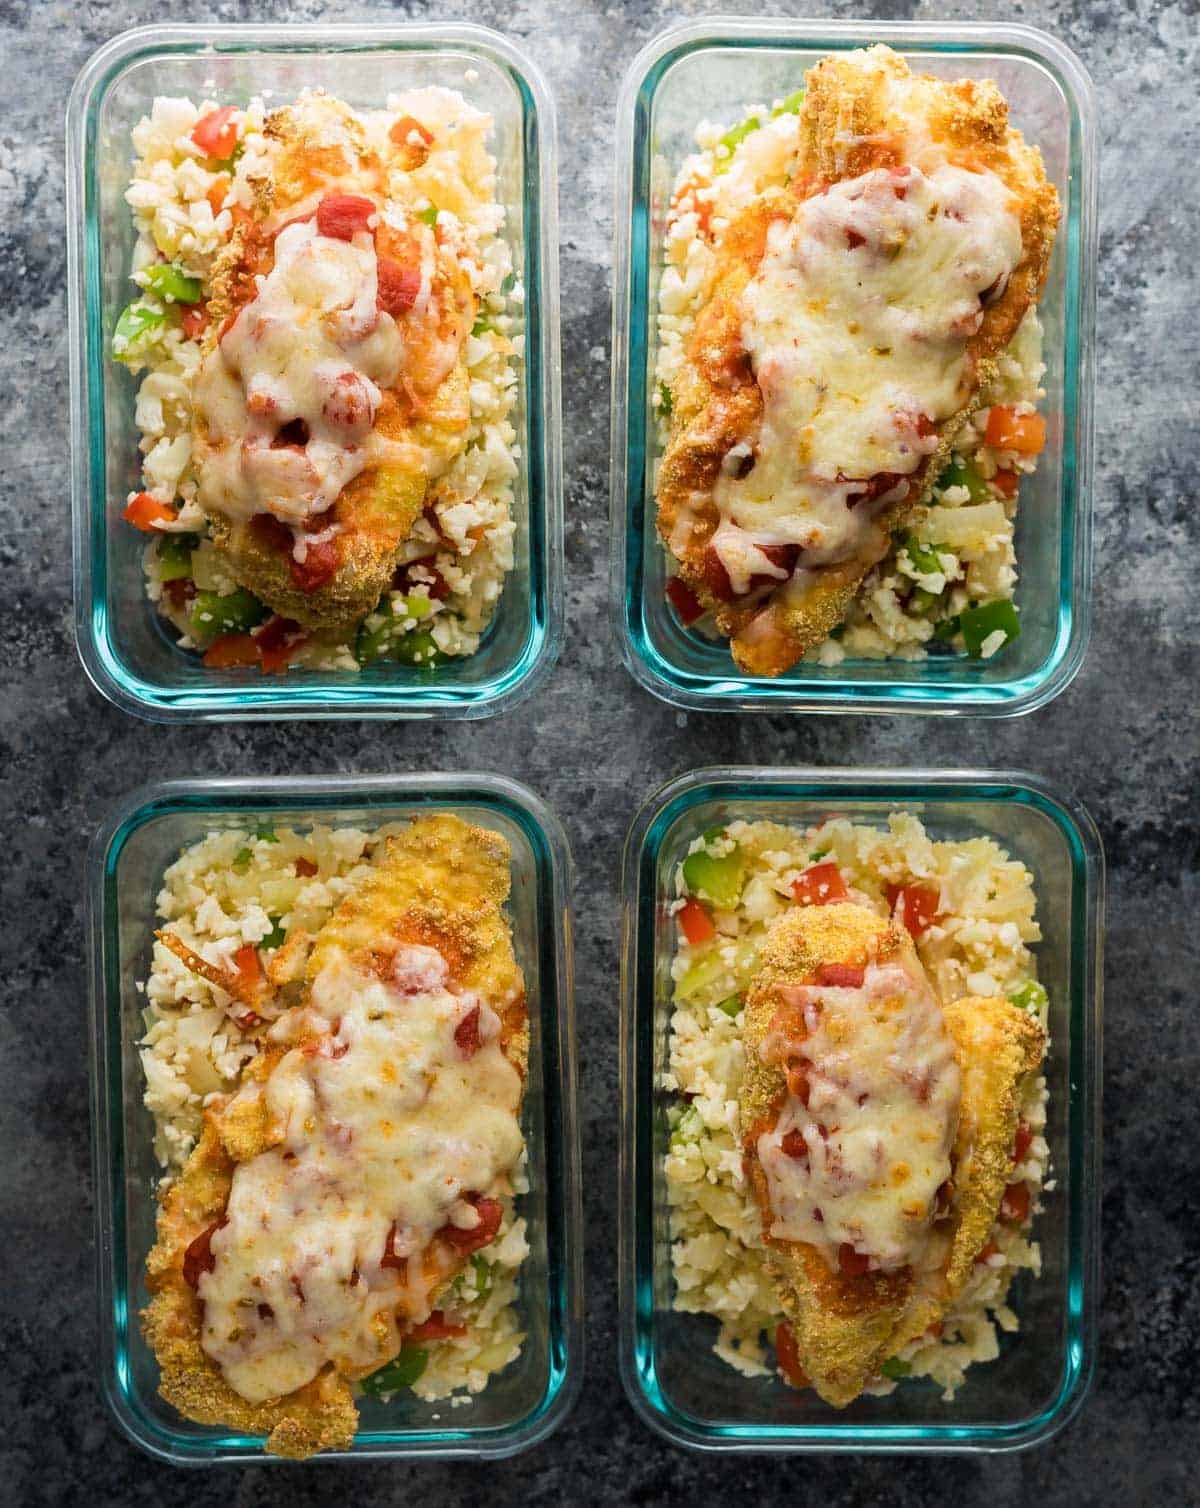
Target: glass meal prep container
x=673 y=1378
x=714 y=70
x=127 y=650
x=140 y=838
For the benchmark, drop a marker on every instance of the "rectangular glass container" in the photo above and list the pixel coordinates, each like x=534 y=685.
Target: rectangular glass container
x=673 y=1378
x=714 y=70
x=126 y=648
x=128 y=855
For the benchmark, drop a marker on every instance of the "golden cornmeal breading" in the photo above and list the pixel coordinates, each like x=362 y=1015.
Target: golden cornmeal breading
x=842 y=1324
x=441 y=883
x=846 y=130
x=321 y=145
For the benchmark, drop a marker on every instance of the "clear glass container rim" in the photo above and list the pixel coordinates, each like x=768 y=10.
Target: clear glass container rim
x=736 y=694
x=280 y=792
x=810 y=782
x=312 y=703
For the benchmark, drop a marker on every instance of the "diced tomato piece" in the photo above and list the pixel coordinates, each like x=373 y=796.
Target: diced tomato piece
x=851 y=1263
x=990 y=1250
x=797 y=1082
x=820 y=885
x=199 y=1257
x=842 y=976
x=342 y=216
x=1023 y=1142
x=320 y=564
x=249 y=969
x=695 y=922
x=216 y=194
x=788 y=1357
x=404 y=128
x=1014 y=1207
x=1007 y=482
x=145 y=512
x=397 y=286
x=915 y=906
x=277 y=641
x=216 y=133
x=231 y=651
x=180 y=591
x=854 y=240
x=305 y=868
x=410 y=578
x=716 y=577
x=793 y=1145
x=688 y=607
x=490 y=1212
x=1009 y=430
x=390 y=1257
x=194 y=319
x=436 y=1327
x=466 y=1034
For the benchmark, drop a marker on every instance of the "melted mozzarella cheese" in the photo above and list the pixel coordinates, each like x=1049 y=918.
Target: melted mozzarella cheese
x=311 y=347
x=386 y=1127
x=856 y=324
x=874 y=1139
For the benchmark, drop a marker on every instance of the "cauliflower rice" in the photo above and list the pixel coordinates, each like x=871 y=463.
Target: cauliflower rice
x=980 y=944
x=966 y=533
x=183 y=208
x=241 y=886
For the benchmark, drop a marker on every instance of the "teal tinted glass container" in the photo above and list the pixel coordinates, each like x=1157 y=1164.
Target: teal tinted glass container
x=527 y=1400
x=673 y=1378
x=716 y=69
x=126 y=648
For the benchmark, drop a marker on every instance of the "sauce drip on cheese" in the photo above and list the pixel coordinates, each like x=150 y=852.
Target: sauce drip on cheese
x=856 y=324
x=388 y=1123
x=289 y=395
x=858 y=1157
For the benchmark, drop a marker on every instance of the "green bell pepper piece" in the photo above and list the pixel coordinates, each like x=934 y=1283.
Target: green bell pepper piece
x=175 y=556
x=399 y=1373
x=925 y=559
x=136 y=320
x=235 y=613
x=428 y=216
x=979 y=623
x=275 y=937
x=719 y=880
x=790 y=106
x=169 y=281
x=483 y=1276
x=265 y=832
x=242 y=860
x=923 y=602
x=418 y=648
x=733 y=139
x=666 y=404
x=895 y=1369
x=960 y=472
x=1030 y=996
x=946 y=629
x=707 y=968
x=417 y=605
x=481 y=326
x=730 y=1005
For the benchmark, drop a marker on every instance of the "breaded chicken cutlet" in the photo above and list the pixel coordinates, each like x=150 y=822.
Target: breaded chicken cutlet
x=340 y=1190
x=851 y=325
x=334 y=387
x=878 y=1137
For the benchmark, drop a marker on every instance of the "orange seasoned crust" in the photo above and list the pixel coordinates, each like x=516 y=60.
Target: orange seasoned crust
x=849 y=125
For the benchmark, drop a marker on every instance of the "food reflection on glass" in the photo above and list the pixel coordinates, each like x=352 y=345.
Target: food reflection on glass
x=848 y=368
x=328 y=325
x=335 y=1058
x=857 y=1143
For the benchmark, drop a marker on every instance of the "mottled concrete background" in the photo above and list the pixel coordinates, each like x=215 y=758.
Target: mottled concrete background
x=1124 y=738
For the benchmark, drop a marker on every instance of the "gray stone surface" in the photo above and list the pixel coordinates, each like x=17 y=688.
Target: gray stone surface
x=1124 y=738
